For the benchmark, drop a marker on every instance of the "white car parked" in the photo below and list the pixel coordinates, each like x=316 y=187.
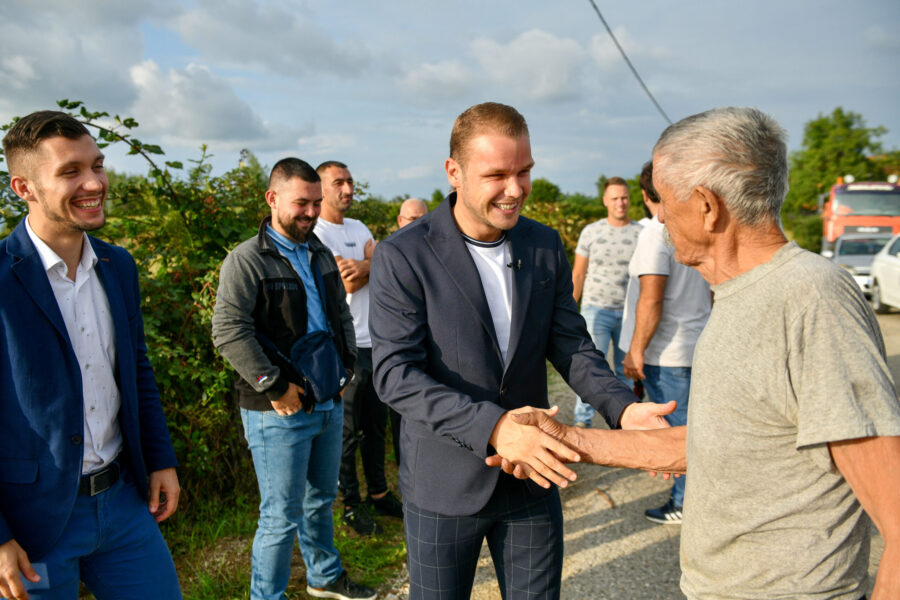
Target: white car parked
x=886 y=277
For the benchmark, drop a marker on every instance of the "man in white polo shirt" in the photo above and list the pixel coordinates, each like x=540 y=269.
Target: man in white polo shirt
x=666 y=306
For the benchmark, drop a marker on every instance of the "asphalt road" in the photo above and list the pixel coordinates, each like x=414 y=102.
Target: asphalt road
x=612 y=551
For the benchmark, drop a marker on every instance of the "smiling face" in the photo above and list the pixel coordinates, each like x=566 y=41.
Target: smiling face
x=295 y=205
x=492 y=184
x=65 y=185
x=615 y=199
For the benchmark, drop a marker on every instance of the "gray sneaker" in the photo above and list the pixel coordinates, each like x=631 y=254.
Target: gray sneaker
x=342 y=589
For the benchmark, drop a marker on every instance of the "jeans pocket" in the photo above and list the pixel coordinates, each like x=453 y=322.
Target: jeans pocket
x=680 y=372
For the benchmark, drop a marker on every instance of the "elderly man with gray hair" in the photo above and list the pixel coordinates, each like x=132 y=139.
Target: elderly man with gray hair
x=793 y=424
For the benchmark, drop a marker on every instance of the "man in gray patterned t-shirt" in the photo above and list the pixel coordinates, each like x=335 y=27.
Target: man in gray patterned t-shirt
x=600 y=276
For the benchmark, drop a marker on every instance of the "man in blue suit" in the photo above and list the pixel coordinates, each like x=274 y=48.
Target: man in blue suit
x=467 y=304
x=87 y=468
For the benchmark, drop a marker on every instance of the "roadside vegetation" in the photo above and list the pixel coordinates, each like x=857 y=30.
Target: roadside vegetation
x=179 y=221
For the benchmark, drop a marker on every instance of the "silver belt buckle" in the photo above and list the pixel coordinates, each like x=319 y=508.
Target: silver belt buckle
x=94 y=477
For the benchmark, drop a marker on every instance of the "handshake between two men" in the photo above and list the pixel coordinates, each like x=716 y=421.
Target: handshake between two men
x=531 y=444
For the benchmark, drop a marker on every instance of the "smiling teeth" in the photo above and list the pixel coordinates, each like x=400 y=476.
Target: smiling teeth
x=506 y=206
x=92 y=204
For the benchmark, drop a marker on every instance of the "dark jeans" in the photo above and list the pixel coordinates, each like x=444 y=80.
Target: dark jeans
x=365 y=421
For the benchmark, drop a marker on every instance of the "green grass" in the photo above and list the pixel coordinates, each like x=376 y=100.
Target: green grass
x=211 y=546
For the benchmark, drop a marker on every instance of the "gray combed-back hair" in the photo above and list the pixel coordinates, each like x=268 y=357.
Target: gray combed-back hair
x=738 y=153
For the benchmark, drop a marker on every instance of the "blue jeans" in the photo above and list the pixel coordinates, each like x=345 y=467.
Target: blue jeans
x=671 y=383
x=603 y=325
x=296 y=460
x=114 y=545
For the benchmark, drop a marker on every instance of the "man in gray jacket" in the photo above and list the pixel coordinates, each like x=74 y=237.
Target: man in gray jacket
x=274 y=289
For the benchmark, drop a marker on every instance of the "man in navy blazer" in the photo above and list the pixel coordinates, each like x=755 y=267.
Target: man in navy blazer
x=81 y=425
x=467 y=304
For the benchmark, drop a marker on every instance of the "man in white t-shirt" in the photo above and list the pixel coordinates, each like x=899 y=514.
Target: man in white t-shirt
x=468 y=305
x=365 y=416
x=599 y=277
x=666 y=306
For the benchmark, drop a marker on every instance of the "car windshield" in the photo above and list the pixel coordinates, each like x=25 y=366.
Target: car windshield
x=861 y=246
x=869 y=203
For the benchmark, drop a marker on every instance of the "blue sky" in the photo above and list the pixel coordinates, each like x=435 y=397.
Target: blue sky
x=378 y=84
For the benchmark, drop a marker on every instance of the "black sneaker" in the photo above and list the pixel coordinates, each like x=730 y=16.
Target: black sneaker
x=387 y=505
x=342 y=589
x=358 y=517
x=667 y=514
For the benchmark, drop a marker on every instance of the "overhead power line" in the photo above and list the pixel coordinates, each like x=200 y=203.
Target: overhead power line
x=628 y=62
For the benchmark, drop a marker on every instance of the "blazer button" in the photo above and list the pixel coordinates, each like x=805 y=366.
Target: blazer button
x=503 y=390
x=76 y=440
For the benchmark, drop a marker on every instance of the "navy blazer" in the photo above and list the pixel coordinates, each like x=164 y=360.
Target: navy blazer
x=41 y=404
x=437 y=360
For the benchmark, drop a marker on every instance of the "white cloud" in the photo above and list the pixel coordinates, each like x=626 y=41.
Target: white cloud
x=449 y=79
x=536 y=65
x=604 y=52
x=264 y=35
x=417 y=172
x=191 y=106
x=51 y=50
x=333 y=143
x=17 y=71
x=881 y=39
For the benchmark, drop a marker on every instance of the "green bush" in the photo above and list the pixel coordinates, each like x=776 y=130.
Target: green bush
x=179 y=225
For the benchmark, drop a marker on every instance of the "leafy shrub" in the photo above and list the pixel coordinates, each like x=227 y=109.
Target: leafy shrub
x=179 y=225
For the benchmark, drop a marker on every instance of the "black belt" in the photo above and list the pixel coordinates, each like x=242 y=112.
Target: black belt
x=102 y=480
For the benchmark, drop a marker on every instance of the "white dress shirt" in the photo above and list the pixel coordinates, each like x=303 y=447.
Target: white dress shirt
x=85 y=311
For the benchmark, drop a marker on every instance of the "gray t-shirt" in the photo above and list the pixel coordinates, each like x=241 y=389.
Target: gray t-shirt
x=791 y=358
x=608 y=250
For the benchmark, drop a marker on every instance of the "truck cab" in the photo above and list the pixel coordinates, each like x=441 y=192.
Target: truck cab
x=866 y=207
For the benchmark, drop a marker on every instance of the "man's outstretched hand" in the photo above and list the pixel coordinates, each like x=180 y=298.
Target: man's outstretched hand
x=531 y=452
x=646 y=415
x=660 y=450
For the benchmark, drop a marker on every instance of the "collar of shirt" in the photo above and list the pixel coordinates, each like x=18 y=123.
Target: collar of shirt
x=480 y=244
x=51 y=259
x=285 y=242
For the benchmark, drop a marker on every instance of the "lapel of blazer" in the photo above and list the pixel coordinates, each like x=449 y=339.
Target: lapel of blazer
x=29 y=270
x=450 y=249
x=522 y=254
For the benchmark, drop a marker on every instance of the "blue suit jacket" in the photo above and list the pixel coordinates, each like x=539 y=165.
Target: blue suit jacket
x=437 y=361
x=41 y=404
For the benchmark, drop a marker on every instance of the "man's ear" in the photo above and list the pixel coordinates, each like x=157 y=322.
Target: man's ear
x=454 y=172
x=710 y=206
x=270 y=197
x=22 y=186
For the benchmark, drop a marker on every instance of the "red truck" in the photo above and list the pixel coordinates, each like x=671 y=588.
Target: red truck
x=859 y=207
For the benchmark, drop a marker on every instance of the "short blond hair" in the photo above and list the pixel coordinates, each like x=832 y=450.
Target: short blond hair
x=488 y=117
